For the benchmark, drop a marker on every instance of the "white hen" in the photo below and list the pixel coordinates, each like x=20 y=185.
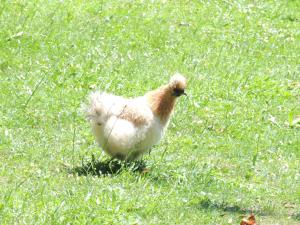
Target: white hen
x=127 y=128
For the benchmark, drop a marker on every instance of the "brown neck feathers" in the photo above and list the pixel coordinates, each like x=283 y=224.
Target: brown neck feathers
x=162 y=103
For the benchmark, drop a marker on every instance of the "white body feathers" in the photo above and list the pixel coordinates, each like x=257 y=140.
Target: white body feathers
x=124 y=128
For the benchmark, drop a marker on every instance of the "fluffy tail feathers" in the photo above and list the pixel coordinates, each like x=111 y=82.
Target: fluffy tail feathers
x=94 y=110
x=101 y=106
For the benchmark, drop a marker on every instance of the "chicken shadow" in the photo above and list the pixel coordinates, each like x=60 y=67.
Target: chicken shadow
x=96 y=167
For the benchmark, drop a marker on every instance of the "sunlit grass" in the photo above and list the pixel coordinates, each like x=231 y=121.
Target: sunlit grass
x=230 y=148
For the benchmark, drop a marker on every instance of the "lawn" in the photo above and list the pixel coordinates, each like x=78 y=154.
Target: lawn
x=231 y=147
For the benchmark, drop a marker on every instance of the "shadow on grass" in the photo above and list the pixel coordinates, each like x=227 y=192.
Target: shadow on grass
x=208 y=204
x=296 y=216
x=106 y=167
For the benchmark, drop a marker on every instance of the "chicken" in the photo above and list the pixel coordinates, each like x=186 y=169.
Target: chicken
x=127 y=128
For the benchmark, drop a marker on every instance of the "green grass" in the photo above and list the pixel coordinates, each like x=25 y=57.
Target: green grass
x=229 y=149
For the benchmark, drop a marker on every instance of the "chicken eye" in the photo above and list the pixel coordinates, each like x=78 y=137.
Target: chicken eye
x=178 y=92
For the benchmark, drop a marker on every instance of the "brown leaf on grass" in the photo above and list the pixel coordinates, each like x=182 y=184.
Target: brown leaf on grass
x=249 y=221
x=145 y=171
